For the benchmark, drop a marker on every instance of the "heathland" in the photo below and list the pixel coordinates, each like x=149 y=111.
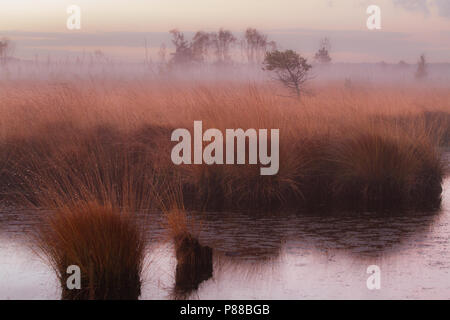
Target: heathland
x=359 y=147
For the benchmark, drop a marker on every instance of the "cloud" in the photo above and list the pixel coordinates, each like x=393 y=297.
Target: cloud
x=443 y=7
x=414 y=5
x=424 y=6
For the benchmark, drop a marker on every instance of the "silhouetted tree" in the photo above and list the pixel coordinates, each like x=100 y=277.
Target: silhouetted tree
x=323 y=54
x=162 y=53
x=256 y=45
x=271 y=46
x=100 y=56
x=290 y=68
x=222 y=41
x=6 y=50
x=200 y=45
x=183 y=52
x=421 y=68
x=162 y=58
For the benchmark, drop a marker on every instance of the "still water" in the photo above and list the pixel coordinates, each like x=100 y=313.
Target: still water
x=272 y=256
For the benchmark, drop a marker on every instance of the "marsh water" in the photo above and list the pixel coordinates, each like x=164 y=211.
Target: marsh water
x=271 y=256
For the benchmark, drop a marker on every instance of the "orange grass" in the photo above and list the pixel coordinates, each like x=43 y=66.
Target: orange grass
x=369 y=147
x=106 y=244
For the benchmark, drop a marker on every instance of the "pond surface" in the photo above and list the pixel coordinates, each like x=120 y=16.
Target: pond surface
x=271 y=256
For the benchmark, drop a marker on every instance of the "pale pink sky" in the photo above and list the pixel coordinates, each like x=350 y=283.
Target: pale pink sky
x=421 y=25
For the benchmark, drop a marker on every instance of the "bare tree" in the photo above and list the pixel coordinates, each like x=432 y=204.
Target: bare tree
x=421 y=72
x=100 y=56
x=147 y=59
x=162 y=53
x=222 y=41
x=6 y=50
x=256 y=45
x=290 y=68
x=271 y=46
x=200 y=45
x=162 y=58
x=183 y=52
x=323 y=54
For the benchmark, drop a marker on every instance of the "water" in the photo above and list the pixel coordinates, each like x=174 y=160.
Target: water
x=272 y=256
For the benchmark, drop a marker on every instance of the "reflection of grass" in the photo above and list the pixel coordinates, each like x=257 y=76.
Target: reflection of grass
x=106 y=244
x=194 y=261
x=111 y=142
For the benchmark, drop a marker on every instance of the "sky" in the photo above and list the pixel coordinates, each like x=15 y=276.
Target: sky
x=120 y=27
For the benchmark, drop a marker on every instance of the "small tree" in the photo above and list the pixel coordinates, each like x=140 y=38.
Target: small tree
x=222 y=41
x=421 y=68
x=6 y=49
x=162 y=53
x=183 y=52
x=200 y=45
x=162 y=58
x=256 y=45
x=290 y=68
x=323 y=54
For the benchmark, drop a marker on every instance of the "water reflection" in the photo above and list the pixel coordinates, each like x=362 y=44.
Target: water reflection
x=358 y=234
x=194 y=265
x=272 y=256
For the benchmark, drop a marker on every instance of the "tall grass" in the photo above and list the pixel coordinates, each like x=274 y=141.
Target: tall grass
x=106 y=244
x=109 y=141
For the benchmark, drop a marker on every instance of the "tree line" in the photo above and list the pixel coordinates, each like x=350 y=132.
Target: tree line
x=287 y=66
x=217 y=47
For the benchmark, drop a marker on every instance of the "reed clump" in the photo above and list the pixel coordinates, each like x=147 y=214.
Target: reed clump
x=106 y=244
x=377 y=166
x=194 y=261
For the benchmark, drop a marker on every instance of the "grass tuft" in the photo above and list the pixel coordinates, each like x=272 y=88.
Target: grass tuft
x=106 y=244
